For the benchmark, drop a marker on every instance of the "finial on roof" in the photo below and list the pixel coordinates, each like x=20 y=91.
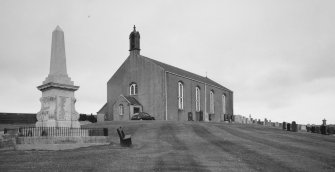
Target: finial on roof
x=58 y=28
x=134 y=40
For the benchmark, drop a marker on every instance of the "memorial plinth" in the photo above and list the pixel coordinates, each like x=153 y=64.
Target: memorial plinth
x=58 y=101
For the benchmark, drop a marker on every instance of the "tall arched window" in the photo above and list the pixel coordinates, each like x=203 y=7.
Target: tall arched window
x=180 y=95
x=211 y=102
x=121 y=109
x=197 y=99
x=133 y=89
x=224 y=104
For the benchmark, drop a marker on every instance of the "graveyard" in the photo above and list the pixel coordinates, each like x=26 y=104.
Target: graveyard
x=185 y=146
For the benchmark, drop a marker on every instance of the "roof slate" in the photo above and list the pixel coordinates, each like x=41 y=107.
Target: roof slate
x=185 y=73
x=132 y=100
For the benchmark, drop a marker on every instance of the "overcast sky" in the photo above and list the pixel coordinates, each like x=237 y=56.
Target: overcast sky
x=277 y=56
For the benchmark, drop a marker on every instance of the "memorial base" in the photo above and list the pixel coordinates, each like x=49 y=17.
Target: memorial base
x=54 y=123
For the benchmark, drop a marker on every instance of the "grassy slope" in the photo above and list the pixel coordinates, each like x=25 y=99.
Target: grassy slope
x=170 y=146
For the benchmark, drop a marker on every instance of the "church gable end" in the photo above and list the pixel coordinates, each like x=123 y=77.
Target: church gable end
x=149 y=82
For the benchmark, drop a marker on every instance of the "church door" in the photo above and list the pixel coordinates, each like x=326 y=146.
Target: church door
x=136 y=110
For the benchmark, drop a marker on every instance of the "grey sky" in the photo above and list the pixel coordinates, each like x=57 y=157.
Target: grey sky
x=277 y=56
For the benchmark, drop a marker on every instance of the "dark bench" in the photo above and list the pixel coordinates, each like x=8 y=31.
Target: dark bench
x=125 y=140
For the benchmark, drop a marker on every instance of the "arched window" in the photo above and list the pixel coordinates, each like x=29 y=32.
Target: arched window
x=133 y=89
x=180 y=95
x=121 y=109
x=224 y=104
x=211 y=102
x=197 y=99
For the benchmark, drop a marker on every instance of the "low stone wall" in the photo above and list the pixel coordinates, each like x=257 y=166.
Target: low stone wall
x=62 y=140
x=7 y=141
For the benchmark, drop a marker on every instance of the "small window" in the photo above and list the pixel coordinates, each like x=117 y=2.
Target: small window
x=197 y=99
x=121 y=109
x=224 y=104
x=133 y=89
x=211 y=101
x=180 y=95
x=136 y=110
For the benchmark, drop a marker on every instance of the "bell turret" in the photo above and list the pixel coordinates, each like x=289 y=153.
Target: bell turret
x=134 y=42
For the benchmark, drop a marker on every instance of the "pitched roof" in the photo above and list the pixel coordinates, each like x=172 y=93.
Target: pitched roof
x=103 y=109
x=132 y=100
x=186 y=73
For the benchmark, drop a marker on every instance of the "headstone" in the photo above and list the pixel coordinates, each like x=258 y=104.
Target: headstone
x=288 y=127
x=303 y=128
x=58 y=102
x=324 y=122
x=331 y=130
x=265 y=122
x=308 y=128
x=323 y=129
x=313 y=129
x=284 y=125
x=294 y=126
x=190 y=116
x=317 y=129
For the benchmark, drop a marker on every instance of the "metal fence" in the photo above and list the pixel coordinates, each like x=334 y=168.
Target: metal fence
x=61 y=132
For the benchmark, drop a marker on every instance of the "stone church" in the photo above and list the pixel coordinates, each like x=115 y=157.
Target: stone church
x=163 y=91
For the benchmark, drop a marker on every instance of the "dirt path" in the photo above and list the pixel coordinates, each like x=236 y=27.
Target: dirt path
x=179 y=158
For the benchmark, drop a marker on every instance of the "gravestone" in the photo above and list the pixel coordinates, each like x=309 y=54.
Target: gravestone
x=58 y=102
x=323 y=129
x=294 y=126
x=303 y=128
x=190 y=116
x=308 y=128
x=284 y=125
x=317 y=129
x=288 y=127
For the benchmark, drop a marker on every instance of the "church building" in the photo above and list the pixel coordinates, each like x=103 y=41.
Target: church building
x=142 y=84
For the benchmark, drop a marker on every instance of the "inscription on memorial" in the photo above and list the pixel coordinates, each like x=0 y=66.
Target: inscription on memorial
x=64 y=105
x=48 y=108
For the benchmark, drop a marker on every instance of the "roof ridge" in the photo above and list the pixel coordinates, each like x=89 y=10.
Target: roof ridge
x=185 y=73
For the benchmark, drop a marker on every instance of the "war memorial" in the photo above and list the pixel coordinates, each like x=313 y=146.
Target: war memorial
x=57 y=123
x=58 y=101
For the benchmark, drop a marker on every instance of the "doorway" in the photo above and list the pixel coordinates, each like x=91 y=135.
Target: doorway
x=136 y=110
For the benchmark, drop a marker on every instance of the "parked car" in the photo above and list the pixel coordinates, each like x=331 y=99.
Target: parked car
x=142 y=116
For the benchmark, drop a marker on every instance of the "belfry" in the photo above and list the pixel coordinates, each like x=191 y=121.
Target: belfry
x=134 y=41
x=57 y=101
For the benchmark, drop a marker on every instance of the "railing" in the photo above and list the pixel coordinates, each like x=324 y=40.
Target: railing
x=61 y=132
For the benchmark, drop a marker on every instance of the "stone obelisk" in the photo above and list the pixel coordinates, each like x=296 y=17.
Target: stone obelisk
x=58 y=102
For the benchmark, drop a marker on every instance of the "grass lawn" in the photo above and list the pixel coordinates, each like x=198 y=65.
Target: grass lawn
x=186 y=146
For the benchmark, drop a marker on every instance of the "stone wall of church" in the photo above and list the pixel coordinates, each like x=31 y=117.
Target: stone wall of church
x=173 y=113
x=218 y=115
x=149 y=79
x=176 y=114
